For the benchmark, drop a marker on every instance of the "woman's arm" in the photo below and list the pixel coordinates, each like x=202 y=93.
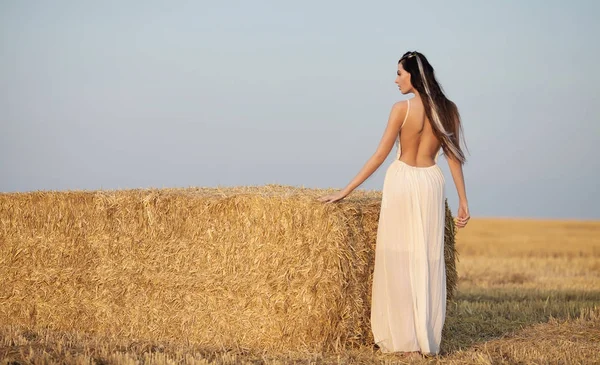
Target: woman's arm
x=463 y=216
x=456 y=170
x=383 y=150
x=458 y=177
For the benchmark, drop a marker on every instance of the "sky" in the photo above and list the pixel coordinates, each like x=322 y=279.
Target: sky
x=154 y=94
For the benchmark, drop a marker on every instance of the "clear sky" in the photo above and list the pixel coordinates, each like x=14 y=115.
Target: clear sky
x=137 y=94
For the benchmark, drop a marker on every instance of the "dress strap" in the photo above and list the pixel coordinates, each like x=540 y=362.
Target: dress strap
x=407 y=111
x=398 y=137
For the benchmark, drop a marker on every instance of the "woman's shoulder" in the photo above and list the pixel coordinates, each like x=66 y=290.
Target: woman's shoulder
x=401 y=105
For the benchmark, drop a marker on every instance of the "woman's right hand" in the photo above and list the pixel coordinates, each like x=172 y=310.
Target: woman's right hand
x=463 y=216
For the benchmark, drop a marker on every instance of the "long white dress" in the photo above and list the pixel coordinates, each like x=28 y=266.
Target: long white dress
x=408 y=306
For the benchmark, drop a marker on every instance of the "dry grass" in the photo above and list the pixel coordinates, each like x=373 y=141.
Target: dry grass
x=256 y=268
x=528 y=292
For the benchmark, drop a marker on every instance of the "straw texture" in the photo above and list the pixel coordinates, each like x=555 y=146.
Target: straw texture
x=266 y=268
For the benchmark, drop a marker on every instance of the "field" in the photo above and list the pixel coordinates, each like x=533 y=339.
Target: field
x=528 y=292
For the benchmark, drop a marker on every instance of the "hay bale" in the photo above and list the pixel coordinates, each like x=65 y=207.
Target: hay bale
x=259 y=268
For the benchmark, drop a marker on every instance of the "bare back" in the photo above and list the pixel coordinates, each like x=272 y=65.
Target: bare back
x=418 y=144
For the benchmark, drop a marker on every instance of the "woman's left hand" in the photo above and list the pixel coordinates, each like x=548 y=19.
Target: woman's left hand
x=331 y=198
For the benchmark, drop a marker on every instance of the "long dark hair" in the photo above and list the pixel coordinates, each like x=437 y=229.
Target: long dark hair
x=441 y=111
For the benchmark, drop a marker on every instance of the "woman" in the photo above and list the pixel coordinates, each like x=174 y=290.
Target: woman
x=408 y=306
